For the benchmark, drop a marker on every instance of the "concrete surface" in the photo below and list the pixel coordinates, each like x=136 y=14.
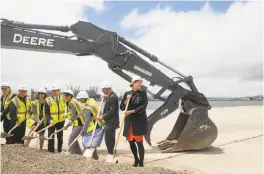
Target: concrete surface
x=238 y=148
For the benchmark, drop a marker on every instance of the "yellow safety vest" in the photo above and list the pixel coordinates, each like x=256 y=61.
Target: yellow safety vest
x=30 y=121
x=79 y=110
x=57 y=112
x=6 y=103
x=92 y=105
x=22 y=109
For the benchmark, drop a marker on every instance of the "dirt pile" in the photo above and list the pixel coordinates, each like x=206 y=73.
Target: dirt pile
x=25 y=160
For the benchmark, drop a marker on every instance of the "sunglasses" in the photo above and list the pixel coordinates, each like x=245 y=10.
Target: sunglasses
x=22 y=91
x=41 y=93
x=3 y=89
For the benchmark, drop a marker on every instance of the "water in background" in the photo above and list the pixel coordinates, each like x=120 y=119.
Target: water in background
x=155 y=104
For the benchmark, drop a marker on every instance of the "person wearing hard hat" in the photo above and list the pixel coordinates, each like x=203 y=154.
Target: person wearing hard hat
x=19 y=111
x=38 y=115
x=55 y=114
x=6 y=97
x=136 y=119
x=110 y=117
x=75 y=118
x=90 y=110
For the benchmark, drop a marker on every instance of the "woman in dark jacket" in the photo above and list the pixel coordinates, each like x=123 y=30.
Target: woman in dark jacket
x=136 y=119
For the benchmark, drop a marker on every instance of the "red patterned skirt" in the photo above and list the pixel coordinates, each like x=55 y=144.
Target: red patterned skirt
x=137 y=138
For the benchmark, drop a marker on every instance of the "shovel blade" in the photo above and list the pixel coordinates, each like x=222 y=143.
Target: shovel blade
x=5 y=135
x=115 y=160
x=28 y=138
x=88 y=153
x=44 y=138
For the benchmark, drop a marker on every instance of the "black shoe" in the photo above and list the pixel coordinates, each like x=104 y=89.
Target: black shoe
x=140 y=164
x=136 y=162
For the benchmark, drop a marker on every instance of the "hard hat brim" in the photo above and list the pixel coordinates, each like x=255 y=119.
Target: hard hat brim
x=67 y=93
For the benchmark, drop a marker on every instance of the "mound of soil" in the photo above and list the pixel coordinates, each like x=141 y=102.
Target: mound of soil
x=25 y=160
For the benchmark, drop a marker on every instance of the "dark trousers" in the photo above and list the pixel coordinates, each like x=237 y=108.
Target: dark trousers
x=7 y=124
x=110 y=139
x=51 y=130
x=18 y=133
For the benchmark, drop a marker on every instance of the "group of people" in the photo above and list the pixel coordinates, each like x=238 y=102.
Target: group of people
x=59 y=111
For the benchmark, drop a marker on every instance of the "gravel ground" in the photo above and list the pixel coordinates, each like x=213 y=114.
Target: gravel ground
x=25 y=160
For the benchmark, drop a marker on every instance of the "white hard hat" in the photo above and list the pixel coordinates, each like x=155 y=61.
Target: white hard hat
x=106 y=84
x=22 y=87
x=68 y=91
x=5 y=84
x=82 y=94
x=136 y=78
x=42 y=90
x=54 y=87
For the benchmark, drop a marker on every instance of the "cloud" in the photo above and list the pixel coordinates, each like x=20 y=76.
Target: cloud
x=38 y=69
x=222 y=51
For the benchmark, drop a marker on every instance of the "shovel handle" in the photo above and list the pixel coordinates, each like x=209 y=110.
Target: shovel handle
x=102 y=99
x=56 y=132
x=44 y=129
x=74 y=141
x=121 y=127
x=12 y=129
x=36 y=127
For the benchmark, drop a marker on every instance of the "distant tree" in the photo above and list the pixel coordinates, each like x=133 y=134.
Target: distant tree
x=33 y=94
x=93 y=92
x=75 y=89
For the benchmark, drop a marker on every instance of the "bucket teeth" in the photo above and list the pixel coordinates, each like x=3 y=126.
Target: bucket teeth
x=169 y=150
x=160 y=142
x=167 y=144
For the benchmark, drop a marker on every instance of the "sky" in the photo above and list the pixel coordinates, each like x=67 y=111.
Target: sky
x=218 y=43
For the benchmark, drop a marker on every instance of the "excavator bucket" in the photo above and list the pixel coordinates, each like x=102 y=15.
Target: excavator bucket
x=192 y=131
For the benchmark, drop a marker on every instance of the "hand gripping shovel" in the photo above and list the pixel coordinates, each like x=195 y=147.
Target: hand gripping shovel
x=6 y=135
x=89 y=152
x=30 y=136
x=121 y=127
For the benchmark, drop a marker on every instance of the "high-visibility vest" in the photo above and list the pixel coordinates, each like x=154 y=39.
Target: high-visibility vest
x=79 y=110
x=57 y=112
x=36 y=104
x=22 y=109
x=7 y=102
x=92 y=105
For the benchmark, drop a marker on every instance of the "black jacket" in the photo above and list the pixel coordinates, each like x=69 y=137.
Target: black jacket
x=111 y=111
x=138 y=102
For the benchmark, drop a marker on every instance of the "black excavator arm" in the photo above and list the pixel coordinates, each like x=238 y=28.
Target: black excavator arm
x=121 y=55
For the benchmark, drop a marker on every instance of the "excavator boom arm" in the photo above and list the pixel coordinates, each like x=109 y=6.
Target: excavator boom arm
x=17 y=37
x=119 y=53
